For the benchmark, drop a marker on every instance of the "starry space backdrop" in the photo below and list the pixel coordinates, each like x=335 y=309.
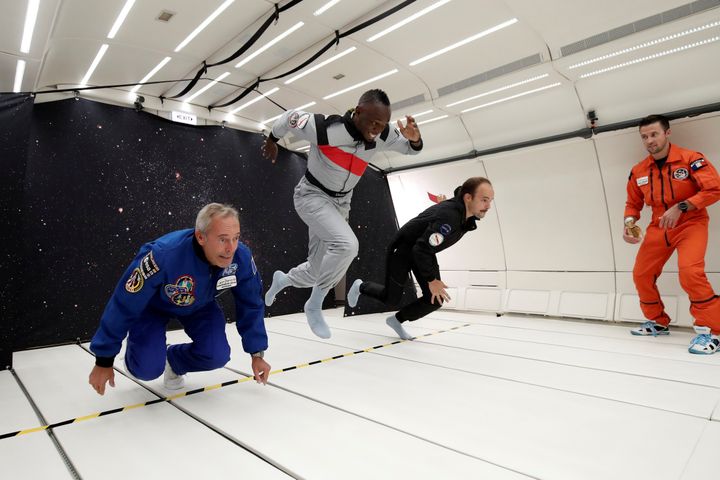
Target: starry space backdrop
x=95 y=181
x=372 y=200
x=15 y=117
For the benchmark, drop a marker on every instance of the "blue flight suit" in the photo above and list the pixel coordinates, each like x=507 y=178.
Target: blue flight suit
x=171 y=278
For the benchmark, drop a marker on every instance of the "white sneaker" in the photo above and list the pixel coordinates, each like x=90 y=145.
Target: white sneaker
x=172 y=380
x=704 y=343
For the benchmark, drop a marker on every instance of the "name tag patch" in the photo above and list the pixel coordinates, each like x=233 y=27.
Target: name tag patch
x=226 y=282
x=642 y=181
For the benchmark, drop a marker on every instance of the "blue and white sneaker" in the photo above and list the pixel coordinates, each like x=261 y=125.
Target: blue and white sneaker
x=650 y=329
x=704 y=343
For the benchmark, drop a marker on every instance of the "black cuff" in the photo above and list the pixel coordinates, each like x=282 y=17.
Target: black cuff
x=273 y=138
x=417 y=146
x=104 y=362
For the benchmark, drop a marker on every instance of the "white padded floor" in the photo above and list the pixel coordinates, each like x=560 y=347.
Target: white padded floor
x=503 y=398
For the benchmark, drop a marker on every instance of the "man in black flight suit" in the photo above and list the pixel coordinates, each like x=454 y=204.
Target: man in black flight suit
x=414 y=249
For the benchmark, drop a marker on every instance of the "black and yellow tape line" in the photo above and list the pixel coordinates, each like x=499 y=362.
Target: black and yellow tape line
x=211 y=387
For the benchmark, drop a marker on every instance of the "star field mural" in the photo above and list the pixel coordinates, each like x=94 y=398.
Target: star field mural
x=98 y=181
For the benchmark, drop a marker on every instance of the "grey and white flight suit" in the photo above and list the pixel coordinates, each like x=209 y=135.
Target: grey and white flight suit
x=337 y=158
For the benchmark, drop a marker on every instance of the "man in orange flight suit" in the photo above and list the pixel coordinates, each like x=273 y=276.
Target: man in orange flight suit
x=678 y=184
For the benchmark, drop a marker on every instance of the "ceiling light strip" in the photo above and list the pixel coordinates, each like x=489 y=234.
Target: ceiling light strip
x=152 y=72
x=269 y=44
x=512 y=97
x=645 y=45
x=501 y=89
x=434 y=119
x=325 y=7
x=204 y=24
x=94 y=64
x=19 y=73
x=358 y=85
x=257 y=99
x=301 y=107
x=651 y=57
x=206 y=88
x=320 y=65
x=409 y=19
x=472 y=38
x=30 y=18
x=121 y=18
x=415 y=115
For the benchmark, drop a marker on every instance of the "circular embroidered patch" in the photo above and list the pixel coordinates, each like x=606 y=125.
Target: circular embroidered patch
x=681 y=174
x=436 y=239
x=135 y=282
x=181 y=293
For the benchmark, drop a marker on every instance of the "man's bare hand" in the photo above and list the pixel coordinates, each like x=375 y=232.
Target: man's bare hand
x=437 y=289
x=269 y=150
x=99 y=376
x=410 y=130
x=261 y=370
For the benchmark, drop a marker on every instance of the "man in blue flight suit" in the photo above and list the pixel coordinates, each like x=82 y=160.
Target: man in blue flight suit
x=179 y=275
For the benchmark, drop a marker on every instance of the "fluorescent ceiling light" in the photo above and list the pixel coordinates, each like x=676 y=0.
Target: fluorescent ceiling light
x=415 y=115
x=466 y=41
x=409 y=19
x=358 y=85
x=432 y=119
x=206 y=88
x=30 y=17
x=269 y=44
x=19 y=73
x=301 y=107
x=645 y=45
x=149 y=75
x=651 y=57
x=94 y=64
x=121 y=18
x=303 y=149
x=257 y=99
x=512 y=97
x=204 y=24
x=506 y=87
x=325 y=7
x=320 y=65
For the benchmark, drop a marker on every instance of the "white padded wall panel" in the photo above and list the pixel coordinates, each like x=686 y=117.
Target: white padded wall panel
x=487 y=279
x=528 y=301
x=551 y=208
x=442 y=138
x=486 y=299
x=480 y=249
x=599 y=282
x=537 y=115
x=584 y=304
x=673 y=297
x=627 y=92
x=569 y=294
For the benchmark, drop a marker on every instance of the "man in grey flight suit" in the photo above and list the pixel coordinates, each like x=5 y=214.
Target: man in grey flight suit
x=340 y=149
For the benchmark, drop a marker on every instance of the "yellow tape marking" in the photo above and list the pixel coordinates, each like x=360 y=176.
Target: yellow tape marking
x=87 y=417
x=31 y=430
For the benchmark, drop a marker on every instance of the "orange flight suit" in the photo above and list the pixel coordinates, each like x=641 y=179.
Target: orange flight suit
x=686 y=175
